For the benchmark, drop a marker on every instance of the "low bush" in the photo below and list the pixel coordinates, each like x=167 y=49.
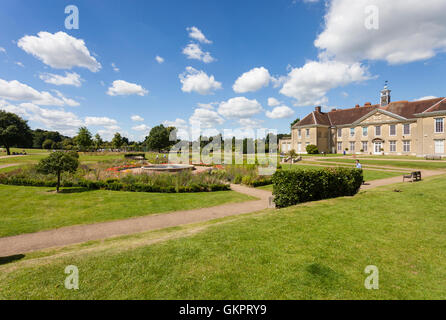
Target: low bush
x=312 y=149
x=297 y=186
x=133 y=155
x=243 y=174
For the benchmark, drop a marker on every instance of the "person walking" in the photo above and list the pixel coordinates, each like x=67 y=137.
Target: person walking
x=358 y=165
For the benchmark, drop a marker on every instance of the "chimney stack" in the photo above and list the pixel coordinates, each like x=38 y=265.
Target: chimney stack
x=318 y=109
x=357 y=106
x=368 y=104
x=333 y=110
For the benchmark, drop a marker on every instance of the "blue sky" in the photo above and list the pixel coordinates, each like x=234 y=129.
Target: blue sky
x=296 y=52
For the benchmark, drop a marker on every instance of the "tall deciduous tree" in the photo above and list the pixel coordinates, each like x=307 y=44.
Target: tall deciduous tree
x=98 y=142
x=14 y=131
x=294 y=122
x=158 y=138
x=83 y=139
x=117 y=141
x=58 y=162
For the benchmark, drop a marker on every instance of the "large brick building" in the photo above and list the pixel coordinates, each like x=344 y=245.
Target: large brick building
x=399 y=128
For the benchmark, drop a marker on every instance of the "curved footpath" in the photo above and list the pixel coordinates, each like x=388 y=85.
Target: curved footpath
x=82 y=233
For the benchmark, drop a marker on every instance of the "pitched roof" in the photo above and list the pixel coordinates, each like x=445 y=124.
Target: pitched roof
x=308 y=120
x=348 y=116
x=410 y=109
x=341 y=117
x=439 y=106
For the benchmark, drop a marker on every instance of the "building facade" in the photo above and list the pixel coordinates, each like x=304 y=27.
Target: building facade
x=390 y=128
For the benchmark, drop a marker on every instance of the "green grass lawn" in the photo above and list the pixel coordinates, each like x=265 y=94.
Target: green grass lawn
x=34 y=158
x=31 y=209
x=28 y=151
x=429 y=165
x=83 y=158
x=395 y=157
x=312 y=251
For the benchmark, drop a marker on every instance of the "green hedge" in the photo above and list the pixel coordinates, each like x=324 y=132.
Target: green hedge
x=297 y=186
x=132 y=155
x=114 y=185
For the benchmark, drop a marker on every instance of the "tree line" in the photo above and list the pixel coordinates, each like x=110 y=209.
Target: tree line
x=15 y=132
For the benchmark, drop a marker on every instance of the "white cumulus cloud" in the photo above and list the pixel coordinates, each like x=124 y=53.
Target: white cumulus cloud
x=280 y=112
x=17 y=91
x=65 y=122
x=141 y=127
x=70 y=79
x=124 y=88
x=159 y=59
x=251 y=123
x=252 y=80
x=408 y=30
x=198 y=81
x=100 y=121
x=196 y=34
x=137 y=118
x=273 y=102
x=193 y=51
x=59 y=51
x=310 y=83
x=239 y=108
x=205 y=118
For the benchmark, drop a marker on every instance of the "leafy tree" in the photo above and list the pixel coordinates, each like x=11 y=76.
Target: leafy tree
x=47 y=144
x=117 y=141
x=294 y=122
x=40 y=136
x=58 y=162
x=83 y=139
x=98 y=142
x=14 y=131
x=158 y=138
x=67 y=144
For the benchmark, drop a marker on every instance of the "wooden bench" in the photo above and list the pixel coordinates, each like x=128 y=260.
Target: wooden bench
x=414 y=176
x=432 y=157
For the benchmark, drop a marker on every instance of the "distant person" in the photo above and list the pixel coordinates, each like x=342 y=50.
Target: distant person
x=345 y=152
x=358 y=165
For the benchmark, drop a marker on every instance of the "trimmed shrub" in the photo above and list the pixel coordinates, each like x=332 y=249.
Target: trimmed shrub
x=133 y=155
x=312 y=149
x=297 y=186
x=114 y=185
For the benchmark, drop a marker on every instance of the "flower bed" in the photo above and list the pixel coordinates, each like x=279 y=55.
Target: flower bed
x=123 y=167
x=94 y=179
